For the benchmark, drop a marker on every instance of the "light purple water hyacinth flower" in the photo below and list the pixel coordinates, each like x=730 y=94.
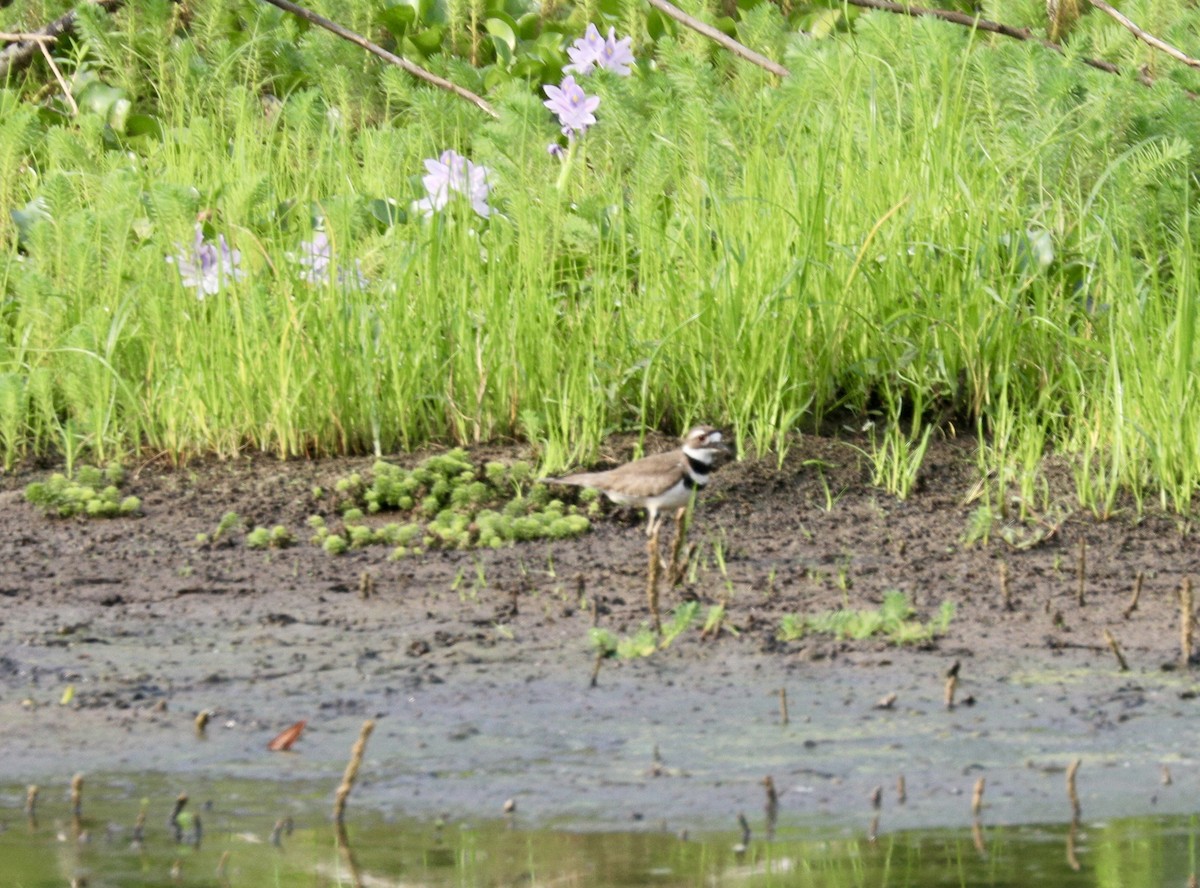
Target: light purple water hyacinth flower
x=574 y=107
x=207 y=267
x=452 y=172
x=592 y=51
x=316 y=258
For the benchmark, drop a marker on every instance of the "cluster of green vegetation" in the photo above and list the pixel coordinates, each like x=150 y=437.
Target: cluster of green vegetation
x=452 y=503
x=942 y=230
x=893 y=620
x=93 y=492
x=645 y=641
x=276 y=537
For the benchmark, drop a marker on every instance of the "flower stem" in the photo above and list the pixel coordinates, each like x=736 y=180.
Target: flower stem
x=568 y=162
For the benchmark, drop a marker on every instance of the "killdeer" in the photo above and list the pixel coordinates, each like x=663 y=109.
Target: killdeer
x=660 y=481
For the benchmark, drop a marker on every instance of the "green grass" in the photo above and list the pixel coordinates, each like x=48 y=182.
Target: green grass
x=919 y=225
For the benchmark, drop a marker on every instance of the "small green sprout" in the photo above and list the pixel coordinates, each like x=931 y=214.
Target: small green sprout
x=228 y=522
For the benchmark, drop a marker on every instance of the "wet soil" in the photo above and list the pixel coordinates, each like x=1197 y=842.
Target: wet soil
x=477 y=665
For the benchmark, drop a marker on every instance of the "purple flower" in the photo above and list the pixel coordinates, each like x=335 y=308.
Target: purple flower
x=449 y=173
x=592 y=51
x=555 y=150
x=585 y=51
x=572 y=105
x=208 y=267
x=316 y=257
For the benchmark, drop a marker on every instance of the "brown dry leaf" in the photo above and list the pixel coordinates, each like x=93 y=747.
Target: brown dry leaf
x=284 y=741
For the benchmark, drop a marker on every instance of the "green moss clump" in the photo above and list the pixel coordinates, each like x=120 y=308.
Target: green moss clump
x=277 y=537
x=93 y=492
x=452 y=504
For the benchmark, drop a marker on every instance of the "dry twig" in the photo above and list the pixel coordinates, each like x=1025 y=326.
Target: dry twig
x=1187 y=622
x=19 y=54
x=402 y=63
x=1146 y=37
x=1072 y=794
x=671 y=10
x=1137 y=594
x=978 y=24
x=351 y=773
x=1116 y=649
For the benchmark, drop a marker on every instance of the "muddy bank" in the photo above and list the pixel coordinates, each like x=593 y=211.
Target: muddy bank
x=477 y=664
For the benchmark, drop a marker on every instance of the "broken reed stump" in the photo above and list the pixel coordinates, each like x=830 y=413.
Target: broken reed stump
x=901 y=790
x=1116 y=649
x=180 y=802
x=951 y=686
x=1137 y=593
x=744 y=825
x=771 y=808
x=351 y=774
x=1072 y=795
x=655 y=571
x=783 y=707
x=679 y=545
x=977 y=796
x=977 y=837
x=1187 y=622
x=1081 y=568
x=1072 y=860
x=596 y=664
x=31 y=797
x=77 y=804
x=1005 y=587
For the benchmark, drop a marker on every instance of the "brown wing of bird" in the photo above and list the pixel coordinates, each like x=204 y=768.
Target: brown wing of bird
x=648 y=476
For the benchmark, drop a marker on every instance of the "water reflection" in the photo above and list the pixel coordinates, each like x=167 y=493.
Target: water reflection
x=127 y=834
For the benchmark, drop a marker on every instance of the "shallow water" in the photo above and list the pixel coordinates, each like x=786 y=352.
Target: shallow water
x=253 y=833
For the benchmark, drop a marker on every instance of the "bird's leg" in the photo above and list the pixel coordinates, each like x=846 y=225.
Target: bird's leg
x=653 y=525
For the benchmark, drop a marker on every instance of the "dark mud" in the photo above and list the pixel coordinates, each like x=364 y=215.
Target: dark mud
x=477 y=664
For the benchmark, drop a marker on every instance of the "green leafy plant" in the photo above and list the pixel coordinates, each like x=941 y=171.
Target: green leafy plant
x=894 y=619
x=645 y=642
x=277 y=537
x=92 y=493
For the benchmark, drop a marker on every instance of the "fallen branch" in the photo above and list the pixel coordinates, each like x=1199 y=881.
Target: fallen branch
x=978 y=24
x=402 y=63
x=1146 y=37
x=670 y=9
